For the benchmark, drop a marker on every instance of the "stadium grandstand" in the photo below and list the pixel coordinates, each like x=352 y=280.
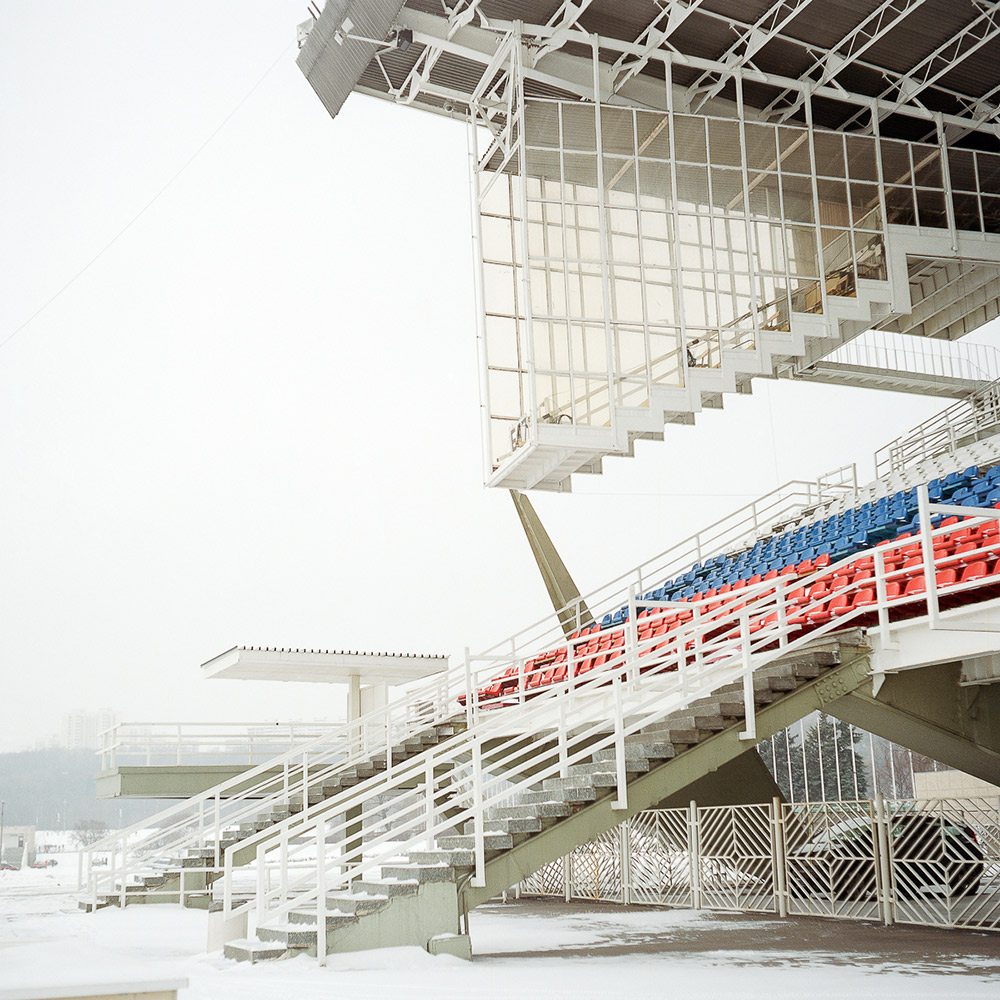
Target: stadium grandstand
x=671 y=199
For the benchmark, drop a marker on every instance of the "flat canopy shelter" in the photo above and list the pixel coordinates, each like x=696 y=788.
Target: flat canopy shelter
x=373 y=671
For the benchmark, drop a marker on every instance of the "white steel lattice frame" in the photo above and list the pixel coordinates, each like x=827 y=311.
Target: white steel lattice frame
x=544 y=61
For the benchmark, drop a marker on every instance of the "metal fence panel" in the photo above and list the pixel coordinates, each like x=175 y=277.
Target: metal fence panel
x=831 y=859
x=660 y=858
x=945 y=862
x=935 y=863
x=736 y=858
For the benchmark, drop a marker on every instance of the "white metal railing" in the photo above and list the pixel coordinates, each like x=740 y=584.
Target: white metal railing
x=200 y=822
x=163 y=743
x=932 y=862
x=647 y=677
x=946 y=431
x=920 y=356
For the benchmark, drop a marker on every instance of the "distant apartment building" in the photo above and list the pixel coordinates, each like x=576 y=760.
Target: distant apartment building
x=82 y=730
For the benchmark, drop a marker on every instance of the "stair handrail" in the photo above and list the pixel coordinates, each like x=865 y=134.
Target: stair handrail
x=942 y=433
x=618 y=694
x=733 y=532
x=187 y=825
x=919 y=355
x=161 y=739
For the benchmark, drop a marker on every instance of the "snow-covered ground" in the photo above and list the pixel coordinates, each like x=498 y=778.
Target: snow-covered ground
x=522 y=950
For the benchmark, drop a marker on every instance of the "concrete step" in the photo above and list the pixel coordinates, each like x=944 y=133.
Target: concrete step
x=509 y=824
x=574 y=793
x=420 y=872
x=254 y=951
x=292 y=936
x=390 y=887
x=337 y=918
x=454 y=859
x=355 y=904
x=579 y=781
x=534 y=810
x=492 y=841
x=655 y=750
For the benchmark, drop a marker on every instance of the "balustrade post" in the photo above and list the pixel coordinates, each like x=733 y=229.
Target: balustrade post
x=621 y=776
x=749 y=702
x=694 y=854
x=478 y=880
x=779 y=856
x=321 y=893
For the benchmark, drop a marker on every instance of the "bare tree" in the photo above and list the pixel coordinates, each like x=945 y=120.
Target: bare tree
x=89 y=831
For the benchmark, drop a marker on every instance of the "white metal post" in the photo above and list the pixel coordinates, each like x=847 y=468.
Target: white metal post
x=563 y=741
x=694 y=853
x=779 y=856
x=884 y=860
x=470 y=693
x=927 y=552
x=625 y=863
x=478 y=880
x=621 y=802
x=631 y=638
x=124 y=876
x=261 y=885
x=749 y=705
x=429 y=800
x=321 y=893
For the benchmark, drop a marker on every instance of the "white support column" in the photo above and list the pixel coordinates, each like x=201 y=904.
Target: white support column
x=625 y=863
x=884 y=861
x=694 y=853
x=779 y=856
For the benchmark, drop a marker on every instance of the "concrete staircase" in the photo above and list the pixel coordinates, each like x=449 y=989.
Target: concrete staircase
x=420 y=896
x=564 y=449
x=188 y=877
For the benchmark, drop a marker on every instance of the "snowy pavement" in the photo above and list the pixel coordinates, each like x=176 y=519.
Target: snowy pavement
x=522 y=950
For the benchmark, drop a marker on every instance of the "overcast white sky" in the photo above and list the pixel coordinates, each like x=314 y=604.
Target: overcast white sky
x=255 y=418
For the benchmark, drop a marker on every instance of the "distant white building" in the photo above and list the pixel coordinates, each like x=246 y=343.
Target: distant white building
x=82 y=730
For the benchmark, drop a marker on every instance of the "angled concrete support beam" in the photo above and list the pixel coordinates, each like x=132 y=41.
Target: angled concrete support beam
x=745 y=780
x=563 y=592
x=928 y=712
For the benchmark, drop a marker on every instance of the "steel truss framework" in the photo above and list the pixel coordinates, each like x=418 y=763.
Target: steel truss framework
x=662 y=187
x=448 y=48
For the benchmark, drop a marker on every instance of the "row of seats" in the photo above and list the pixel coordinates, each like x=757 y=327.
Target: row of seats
x=836 y=537
x=965 y=559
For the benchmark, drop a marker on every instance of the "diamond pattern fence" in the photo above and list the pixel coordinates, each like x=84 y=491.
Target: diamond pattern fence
x=934 y=863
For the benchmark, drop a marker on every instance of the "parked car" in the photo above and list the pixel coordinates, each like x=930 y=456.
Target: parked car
x=932 y=856
x=6 y=866
x=44 y=863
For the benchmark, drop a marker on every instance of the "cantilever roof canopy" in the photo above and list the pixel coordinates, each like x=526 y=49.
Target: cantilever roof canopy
x=263 y=663
x=915 y=58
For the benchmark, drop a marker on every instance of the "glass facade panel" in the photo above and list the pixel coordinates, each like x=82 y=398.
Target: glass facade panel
x=655 y=242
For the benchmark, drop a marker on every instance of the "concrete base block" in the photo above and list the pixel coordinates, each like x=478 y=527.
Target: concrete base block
x=221 y=931
x=458 y=945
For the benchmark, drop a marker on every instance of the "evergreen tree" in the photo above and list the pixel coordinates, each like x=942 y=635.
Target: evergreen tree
x=834 y=768
x=783 y=756
x=808 y=771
